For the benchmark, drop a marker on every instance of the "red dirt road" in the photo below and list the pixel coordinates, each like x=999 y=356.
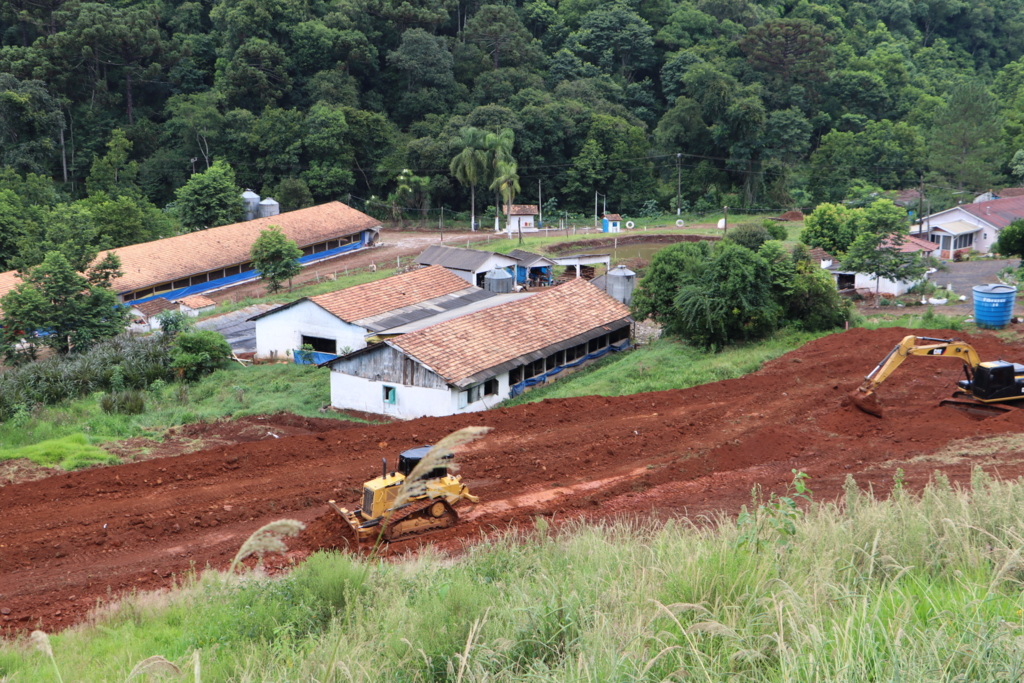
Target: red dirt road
x=70 y=540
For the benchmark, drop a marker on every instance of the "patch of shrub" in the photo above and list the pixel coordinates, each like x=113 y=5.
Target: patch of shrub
x=776 y=229
x=124 y=362
x=199 y=353
x=126 y=402
x=750 y=236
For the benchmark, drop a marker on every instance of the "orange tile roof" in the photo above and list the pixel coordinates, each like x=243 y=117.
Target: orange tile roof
x=459 y=348
x=8 y=281
x=154 y=307
x=523 y=210
x=196 y=301
x=173 y=258
x=391 y=293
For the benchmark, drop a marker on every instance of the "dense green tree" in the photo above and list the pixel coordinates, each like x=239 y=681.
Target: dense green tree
x=965 y=145
x=57 y=307
x=210 y=198
x=876 y=249
x=1011 y=240
x=197 y=353
x=31 y=125
x=831 y=227
x=730 y=301
x=275 y=257
x=790 y=50
x=670 y=267
x=292 y=194
x=500 y=32
x=616 y=39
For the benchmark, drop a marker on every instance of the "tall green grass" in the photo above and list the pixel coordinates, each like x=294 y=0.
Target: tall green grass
x=666 y=364
x=233 y=391
x=912 y=589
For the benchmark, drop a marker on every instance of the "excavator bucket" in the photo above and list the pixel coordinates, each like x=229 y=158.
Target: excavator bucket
x=866 y=401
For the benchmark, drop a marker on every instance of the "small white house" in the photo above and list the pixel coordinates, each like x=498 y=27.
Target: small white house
x=612 y=222
x=469 y=264
x=522 y=218
x=846 y=279
x=968 y=227
x=340 y=322
x=145 y=315
x=476 y=361
x=194 y=305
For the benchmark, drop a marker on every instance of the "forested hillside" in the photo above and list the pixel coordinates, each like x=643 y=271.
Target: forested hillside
x=750 y=103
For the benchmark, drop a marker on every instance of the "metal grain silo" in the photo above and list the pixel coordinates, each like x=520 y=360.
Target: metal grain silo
x=498 y=280
x=621 y=283
x=252 y=204
x=269 y=207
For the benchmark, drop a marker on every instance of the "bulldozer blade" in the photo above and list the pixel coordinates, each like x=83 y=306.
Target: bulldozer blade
x=867 y=401
x=975 y=409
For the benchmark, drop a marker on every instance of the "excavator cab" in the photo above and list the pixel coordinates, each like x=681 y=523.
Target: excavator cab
x=994 y=380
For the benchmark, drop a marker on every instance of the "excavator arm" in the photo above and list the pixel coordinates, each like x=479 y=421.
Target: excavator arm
x=864 y=396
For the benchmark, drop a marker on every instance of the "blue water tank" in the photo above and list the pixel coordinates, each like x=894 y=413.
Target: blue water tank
x=993 y=305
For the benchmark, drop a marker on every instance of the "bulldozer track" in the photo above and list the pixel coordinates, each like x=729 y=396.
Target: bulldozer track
x=446 y=518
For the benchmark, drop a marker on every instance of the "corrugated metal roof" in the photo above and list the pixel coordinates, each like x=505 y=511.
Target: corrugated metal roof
x=424 y=309
x=527 y=259
x=456 y=258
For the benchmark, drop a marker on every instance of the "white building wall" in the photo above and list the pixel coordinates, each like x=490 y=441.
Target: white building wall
x=279 y=333
x=355 y=393
x=983 y=240
x=887 y=286
x=528 y=223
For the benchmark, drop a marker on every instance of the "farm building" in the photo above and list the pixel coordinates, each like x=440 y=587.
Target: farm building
x=522 y=218
x=207 y=260
x=342 y=321
x=469 y=264
x=846 y=279
x=475 y=361
x=612 y=222
x=532 y=269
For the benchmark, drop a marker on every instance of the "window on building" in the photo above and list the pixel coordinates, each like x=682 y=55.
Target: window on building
x=390 y=395
x=463 y=399
x=515 y=375
x=964 y=241
x=491 y=387
x=321 y=344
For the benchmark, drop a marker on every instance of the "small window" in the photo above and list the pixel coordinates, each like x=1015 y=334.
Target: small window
x=390 y=395
x=463 y=399
x=474 y=393
x=491 y=387
x=320 y=344
x=515 y=375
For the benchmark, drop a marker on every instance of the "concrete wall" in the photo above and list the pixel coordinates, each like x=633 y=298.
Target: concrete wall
x=279 y=333
x=887 y=286
x=356 y=393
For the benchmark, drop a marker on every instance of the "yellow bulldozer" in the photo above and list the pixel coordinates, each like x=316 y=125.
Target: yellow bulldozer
x=989 y=388
x=391 y=512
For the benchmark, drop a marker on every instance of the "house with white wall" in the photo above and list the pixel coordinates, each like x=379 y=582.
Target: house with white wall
x=846 y=279
x=522 y=218
x=342 y=321
x=612 y=222
x=476 y=361
x=469 y=264
x=967 y=227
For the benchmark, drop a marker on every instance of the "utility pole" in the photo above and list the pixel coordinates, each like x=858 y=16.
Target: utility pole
x=540 y=206
x=595 y=209
x=440 y=224
x=725 y=220
x=679 y=182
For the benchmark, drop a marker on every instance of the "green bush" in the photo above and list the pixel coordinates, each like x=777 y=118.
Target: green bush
x=199 y=353
x=776 y=229
x=126 y=402
x=750 y=236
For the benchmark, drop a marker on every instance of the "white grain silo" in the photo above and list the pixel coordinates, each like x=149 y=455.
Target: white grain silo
x=251 y=200
x=498 y=280
x=621 y=283
x=269 y=207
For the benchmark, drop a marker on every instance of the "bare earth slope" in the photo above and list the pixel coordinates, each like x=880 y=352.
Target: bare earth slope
x=69 y=540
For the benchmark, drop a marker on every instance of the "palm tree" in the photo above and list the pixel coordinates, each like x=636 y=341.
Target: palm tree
x=506 y=183
x=498 y=147
x=470 y=165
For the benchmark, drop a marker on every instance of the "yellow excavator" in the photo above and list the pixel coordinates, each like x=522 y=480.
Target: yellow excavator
x=429 y=508
x=988 y=386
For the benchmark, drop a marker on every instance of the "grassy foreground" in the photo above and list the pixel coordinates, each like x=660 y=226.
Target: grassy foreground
x=911 y=589
x=67 y=435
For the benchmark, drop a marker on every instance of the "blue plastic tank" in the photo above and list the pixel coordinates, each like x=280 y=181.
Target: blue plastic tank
x=993 y=305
